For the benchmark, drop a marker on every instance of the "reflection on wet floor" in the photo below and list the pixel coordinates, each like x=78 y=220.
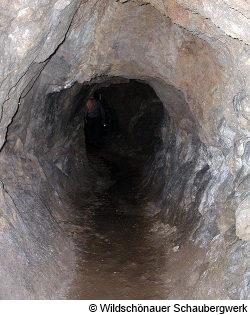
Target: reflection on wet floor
x=120 y=253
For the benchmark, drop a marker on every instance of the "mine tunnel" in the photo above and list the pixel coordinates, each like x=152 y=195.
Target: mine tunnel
x=160 y=208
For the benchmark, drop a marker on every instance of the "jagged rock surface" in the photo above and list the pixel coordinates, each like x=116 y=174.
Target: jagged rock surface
x=196 y=57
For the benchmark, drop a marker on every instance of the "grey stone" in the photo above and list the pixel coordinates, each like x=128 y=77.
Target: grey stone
x=195 y=56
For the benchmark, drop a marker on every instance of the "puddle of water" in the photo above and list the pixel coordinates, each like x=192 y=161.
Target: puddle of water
x=120 y=254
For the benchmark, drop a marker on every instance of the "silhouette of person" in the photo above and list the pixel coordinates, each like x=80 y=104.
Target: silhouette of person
x=94 y=115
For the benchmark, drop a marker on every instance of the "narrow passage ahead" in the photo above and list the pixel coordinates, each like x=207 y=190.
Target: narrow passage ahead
x=122 y=252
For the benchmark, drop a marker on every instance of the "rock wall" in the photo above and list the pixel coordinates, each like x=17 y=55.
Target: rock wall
x=196 y=58
x=37 y=259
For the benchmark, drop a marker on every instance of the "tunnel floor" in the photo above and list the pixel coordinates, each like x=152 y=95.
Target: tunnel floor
x=123 y=253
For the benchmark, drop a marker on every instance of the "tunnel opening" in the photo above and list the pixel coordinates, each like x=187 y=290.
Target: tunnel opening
x=133 y=114
x=143 y=130
x=124 y=250
x=196 y=176
x=102 y=187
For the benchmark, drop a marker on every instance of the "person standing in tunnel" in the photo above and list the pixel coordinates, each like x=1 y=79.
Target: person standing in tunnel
x=94 y=115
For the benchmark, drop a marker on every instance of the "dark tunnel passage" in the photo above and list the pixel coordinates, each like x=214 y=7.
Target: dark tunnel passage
x=113 y=207
x=159 y=208
x=134 y=113
x=121 y=252
x=127 y=247
x=128 y=208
